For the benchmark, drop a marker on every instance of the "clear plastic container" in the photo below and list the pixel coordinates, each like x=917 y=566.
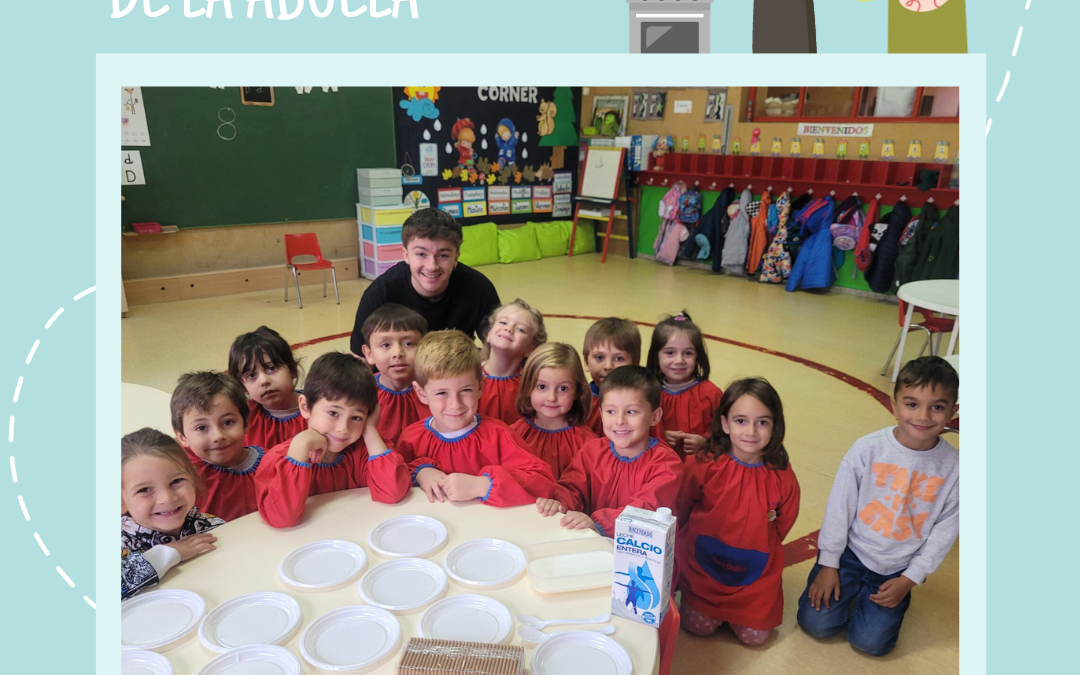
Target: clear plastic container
x=570 y=564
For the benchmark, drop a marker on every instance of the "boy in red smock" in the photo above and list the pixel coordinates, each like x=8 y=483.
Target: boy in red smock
x=625 y=468
x=341 y=449
x=609 y=343
x=391 y=335
x=209 y=417
x=263 y=363
x=457 y=454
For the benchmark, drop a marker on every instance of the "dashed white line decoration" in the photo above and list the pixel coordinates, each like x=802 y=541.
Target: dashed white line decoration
x=989 y=121
x=11 y=439
x=1003 y=85
x=32 y=350
x=41 y=544
x=66 y=577
x=1016 y=45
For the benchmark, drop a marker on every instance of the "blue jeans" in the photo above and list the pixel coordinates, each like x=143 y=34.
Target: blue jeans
x=871 y=628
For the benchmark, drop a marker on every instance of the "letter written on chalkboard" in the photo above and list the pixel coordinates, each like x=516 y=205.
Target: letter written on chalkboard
x=257 y=95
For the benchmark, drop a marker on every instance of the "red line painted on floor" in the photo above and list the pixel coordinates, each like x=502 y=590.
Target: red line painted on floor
x=865 y=387
x=801 y=549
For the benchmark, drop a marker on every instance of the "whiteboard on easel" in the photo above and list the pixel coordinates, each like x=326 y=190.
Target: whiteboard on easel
x=600 y=172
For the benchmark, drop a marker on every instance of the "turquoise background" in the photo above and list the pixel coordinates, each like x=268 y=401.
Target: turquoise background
x=56 y=199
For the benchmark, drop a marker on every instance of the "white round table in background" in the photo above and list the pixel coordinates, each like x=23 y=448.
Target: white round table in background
x=142 y=406
x=249 y=551
x=936 y=295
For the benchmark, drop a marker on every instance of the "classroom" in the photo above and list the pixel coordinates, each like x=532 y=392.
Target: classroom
x=807 y=236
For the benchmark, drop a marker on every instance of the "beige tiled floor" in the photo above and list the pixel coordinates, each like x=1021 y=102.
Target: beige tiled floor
x=824 y=414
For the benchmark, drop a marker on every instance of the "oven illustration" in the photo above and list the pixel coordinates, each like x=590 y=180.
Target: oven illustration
x=669 y=26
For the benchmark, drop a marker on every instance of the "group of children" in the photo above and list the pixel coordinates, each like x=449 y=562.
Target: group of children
x=517 y=423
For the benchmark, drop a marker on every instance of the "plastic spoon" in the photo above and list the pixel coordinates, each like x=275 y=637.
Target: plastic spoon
x=533 y=622
x=536 y=637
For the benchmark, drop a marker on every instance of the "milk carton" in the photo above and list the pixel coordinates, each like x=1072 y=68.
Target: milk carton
x=644 y=558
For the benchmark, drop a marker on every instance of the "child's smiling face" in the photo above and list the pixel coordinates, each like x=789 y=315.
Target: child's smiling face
x=627 y=416
x=215 y=435
x=513 y=331
x=157 y=493
x=453 y=401
x=340 y=420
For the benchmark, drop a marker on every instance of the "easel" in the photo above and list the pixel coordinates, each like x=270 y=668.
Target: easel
x=596 y=185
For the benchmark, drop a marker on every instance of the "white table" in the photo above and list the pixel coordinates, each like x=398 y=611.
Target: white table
x=936 y=295
x=249 y=552
x=142 y=406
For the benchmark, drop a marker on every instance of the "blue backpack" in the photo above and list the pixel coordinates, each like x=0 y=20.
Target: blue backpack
x=690 y=207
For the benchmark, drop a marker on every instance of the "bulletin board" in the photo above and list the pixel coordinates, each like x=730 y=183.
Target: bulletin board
x=488 y=154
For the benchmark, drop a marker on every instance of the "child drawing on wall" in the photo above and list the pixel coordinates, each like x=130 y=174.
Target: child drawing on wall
x=463 y=136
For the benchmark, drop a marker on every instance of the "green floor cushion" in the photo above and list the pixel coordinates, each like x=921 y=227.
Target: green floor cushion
x=585 y=239
x=518 y=244
x=479 y=245
x=553 y=238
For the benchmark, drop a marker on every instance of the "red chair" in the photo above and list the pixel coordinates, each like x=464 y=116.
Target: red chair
x=935 y=327
x=299 y=247
x=669 y=631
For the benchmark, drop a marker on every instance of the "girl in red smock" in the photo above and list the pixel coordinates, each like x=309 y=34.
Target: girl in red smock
x=553 y=402
x=510 y=334
x=677 y=358
x=264 y=363
x=738 y=501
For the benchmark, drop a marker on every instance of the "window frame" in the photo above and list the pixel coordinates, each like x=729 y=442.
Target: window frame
x=854 y=116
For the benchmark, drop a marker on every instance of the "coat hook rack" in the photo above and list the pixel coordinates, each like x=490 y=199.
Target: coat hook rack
x=768 y=189
x=810 y=191
x=930 y=201
x=903 y=198
x=832 y=193
x=877 y=196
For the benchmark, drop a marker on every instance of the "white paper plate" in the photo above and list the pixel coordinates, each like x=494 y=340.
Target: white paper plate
x=407 y=537
x=485 y=562
x=262 y=618
x=322 y=564
x=401 y=585
x=254 y=660
x=350 y=638
x=472 y=618
x=580 y=653
x=142 y=662
x=159 y=618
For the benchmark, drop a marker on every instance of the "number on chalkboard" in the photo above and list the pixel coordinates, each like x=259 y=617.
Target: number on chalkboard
x=257 y=95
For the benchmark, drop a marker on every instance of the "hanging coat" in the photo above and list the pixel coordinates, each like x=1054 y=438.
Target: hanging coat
x=709 y=225
x=863 y=254
x=879 y=275
x=776 y=263
x=935 y=254
x=759 y=235
x=905 y=261
x=813 y=266
x=737 y=239
x=672 y=232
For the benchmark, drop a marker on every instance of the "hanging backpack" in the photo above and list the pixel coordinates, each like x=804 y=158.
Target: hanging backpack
x=690 y=207
x=863 y=253
x=845 y=231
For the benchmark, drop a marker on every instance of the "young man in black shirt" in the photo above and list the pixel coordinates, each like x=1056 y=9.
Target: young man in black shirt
x=430 y=280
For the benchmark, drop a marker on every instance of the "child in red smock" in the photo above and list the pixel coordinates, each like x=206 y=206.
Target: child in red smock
x=341 y=449
x=510 y=334
x=677 y=358
x=553 y=402
x=391 y=335
x=738 y=501
x=627 y=467
x=264 y=364
x=609 y=343
x=209 y=418
x=456 y=454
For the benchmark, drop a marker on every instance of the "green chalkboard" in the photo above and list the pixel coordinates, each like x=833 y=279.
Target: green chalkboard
x=295 y=160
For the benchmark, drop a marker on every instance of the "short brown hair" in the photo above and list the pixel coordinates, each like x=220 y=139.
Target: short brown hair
x=444 y=354
x=637 y=378
x=153 y=443
x=197 y=390
x=393 y=317
x=555 y=355
x=431 y=223
x=929 y=371
x=539 y=332
x=335 y=377
x=622 y=334
x=775 y=455
x=260 y=346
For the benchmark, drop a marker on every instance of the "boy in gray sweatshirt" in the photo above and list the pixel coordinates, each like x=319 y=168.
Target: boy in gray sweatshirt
x=892 y=516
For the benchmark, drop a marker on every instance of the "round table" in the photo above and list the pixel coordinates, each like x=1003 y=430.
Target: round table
x=142 y=406
x=936 y=295
x=249 y=551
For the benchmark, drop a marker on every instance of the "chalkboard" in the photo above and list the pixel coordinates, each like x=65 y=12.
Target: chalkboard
x=257 y=96
x=600 y=172
x=294 y=161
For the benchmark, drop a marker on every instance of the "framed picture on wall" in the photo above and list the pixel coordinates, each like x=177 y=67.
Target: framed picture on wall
x=609 y=114
x=715 y=102
x=649 y=104
x=257 y=96
x=640 y=108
